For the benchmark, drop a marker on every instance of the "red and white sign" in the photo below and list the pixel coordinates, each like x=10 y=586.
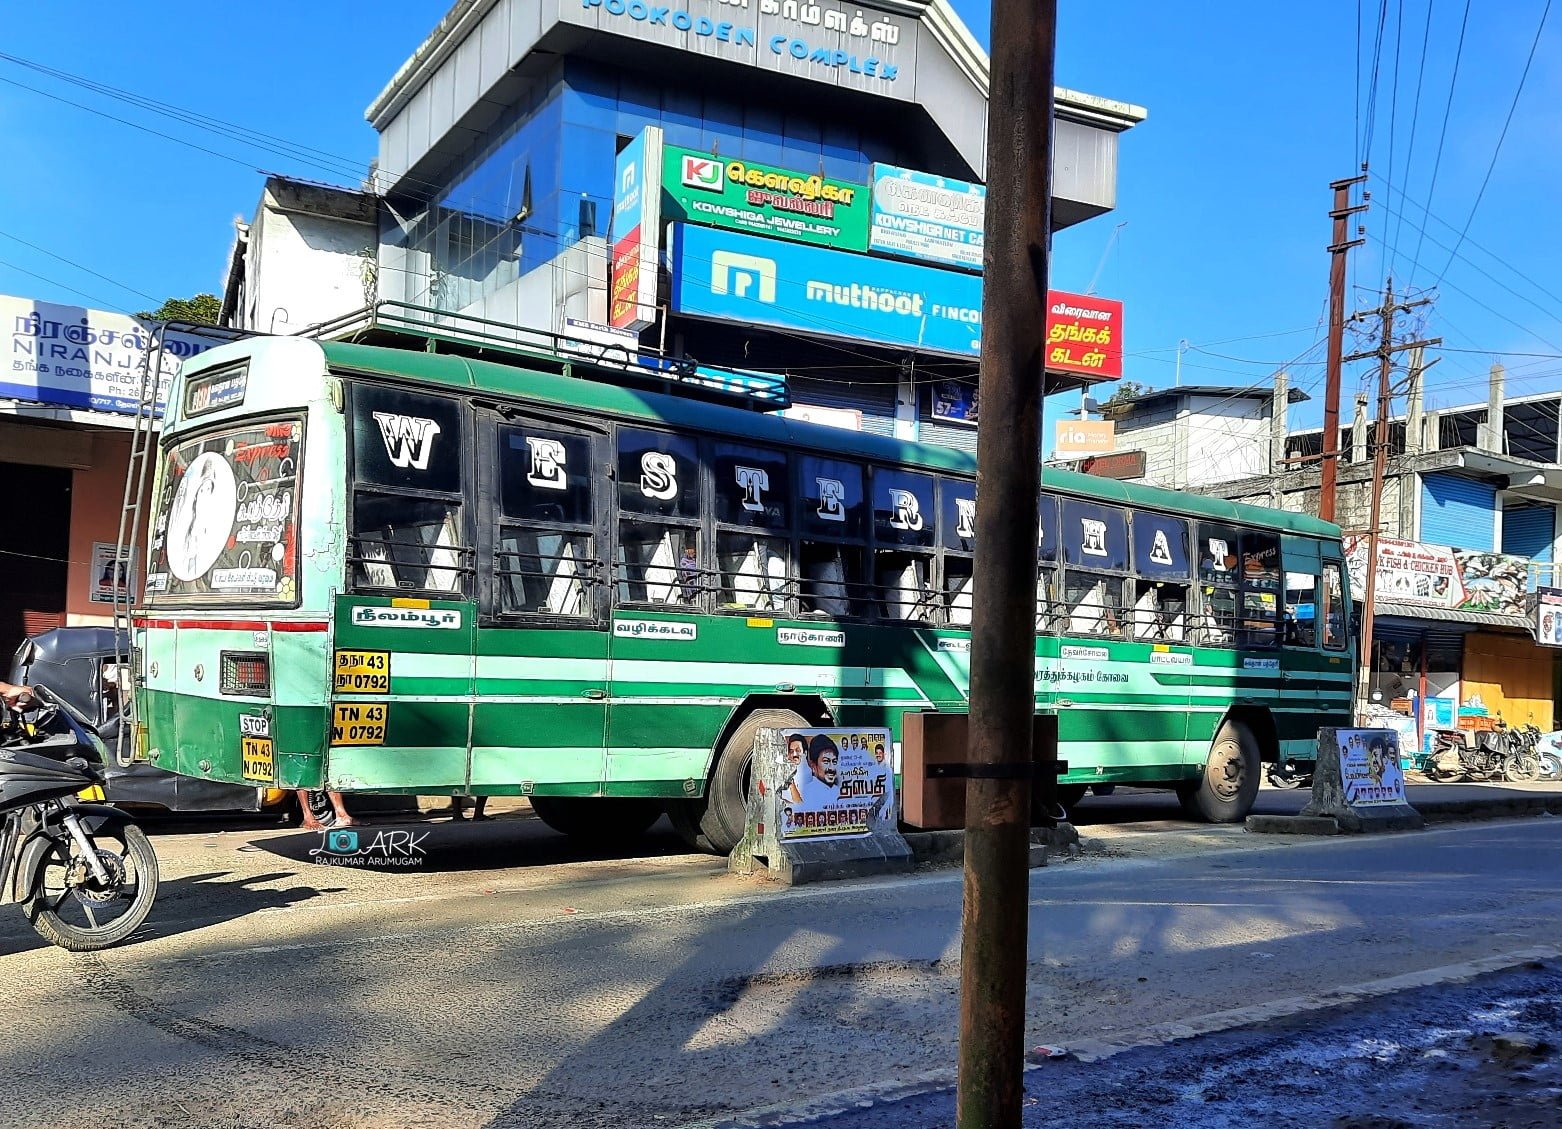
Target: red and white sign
x=1408 y=572
x=635 y=232
x=1084 y=335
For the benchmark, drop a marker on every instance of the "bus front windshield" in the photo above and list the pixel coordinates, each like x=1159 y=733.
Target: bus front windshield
x=226 y=525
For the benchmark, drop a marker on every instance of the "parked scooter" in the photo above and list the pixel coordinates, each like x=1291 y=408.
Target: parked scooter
x=84 y=873
x=1498 y=754
x=1548 y=753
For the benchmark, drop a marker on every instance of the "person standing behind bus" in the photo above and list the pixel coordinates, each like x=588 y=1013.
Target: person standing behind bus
x=338 y=806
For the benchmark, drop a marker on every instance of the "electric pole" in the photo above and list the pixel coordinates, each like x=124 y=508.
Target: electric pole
x=1385 y=354
x=1341 y=214
x=995 y=919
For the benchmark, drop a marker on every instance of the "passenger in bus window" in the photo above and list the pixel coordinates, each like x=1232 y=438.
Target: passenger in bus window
x=689 y=574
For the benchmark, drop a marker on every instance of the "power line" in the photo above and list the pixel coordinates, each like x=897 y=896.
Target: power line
x=1501 y=137
x=1415 y=117
x=55 y=282
x=1442 y=136
x=78 y=266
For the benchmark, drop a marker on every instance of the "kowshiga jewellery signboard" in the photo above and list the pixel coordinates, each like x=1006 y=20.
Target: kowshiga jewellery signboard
x=764 y=199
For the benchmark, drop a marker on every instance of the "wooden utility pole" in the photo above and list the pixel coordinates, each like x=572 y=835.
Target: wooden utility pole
x=1385 y=354
x=994 y=927
x=1341 y=214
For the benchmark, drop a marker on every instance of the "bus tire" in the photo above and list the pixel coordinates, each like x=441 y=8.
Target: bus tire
x=612 y=819
x=1226 y=789
x=715 y=822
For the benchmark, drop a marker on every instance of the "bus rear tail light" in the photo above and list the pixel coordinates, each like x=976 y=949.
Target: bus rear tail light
x=244 y=673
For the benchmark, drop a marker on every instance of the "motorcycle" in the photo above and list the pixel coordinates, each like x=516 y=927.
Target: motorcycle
x=84 y=874
x=1548 y=751
x=1291 y=774
x=1498 y=754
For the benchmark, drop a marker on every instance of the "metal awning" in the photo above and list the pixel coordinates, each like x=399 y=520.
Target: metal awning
x=1460 y=616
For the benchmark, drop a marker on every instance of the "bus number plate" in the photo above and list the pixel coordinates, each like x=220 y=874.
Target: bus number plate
x=362 y=672
x=358 y=724
x=259 y=759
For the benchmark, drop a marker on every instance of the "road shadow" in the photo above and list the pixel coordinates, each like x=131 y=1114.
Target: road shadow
x=237 y=897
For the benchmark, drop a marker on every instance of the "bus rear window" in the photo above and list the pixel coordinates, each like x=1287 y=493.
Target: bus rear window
x=226 y=525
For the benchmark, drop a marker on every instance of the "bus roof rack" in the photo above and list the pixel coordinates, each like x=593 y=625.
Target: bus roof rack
x=402 y=325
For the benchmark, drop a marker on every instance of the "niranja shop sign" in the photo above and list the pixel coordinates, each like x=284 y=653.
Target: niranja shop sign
x=75 y=357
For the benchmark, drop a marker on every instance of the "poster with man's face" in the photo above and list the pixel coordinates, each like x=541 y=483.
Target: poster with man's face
x=839 y=783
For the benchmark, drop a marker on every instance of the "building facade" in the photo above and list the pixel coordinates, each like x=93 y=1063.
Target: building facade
x=1468 y=545
x=812 y=196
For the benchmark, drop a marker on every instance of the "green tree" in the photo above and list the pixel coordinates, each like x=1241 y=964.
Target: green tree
x=1123 y=395
x=203 y=308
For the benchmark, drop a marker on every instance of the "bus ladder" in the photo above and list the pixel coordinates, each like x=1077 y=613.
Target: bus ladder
x=143 y=437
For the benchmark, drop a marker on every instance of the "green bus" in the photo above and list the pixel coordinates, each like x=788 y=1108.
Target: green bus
x=389 y=571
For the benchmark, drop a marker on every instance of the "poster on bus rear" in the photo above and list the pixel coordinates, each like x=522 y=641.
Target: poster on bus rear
x=837 y=784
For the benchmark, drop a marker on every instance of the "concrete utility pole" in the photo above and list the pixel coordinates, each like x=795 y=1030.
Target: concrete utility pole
x=1279 y=413
x=1341 y=214
x=1385 y=354
x=994 y=930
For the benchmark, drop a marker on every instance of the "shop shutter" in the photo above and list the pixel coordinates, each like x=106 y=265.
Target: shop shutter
x=960 y=436
x=876 y=402
x=1528 y=530
x=1458 y=511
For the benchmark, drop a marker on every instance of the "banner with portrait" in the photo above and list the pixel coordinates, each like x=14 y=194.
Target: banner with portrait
x=837 y=784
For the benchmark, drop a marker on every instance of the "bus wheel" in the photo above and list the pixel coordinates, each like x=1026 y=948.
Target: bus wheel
x=716 y=821
x=1225 y=791
x=612 y=819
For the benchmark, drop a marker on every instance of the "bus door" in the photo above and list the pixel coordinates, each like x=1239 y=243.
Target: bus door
x=1303 y=667
x=403 y=640
x=1159 y=613
x=667 y=702
x=540 y=720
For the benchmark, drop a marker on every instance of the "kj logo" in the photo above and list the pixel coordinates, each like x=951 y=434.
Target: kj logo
x=387 y=848
x=702 y=172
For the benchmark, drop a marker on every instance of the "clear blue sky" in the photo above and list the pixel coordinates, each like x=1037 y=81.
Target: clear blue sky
x=1223 y=191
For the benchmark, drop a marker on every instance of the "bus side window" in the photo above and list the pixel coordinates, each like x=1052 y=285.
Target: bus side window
x=658 y=558
x=1261 y=590
x=957 y=536
x=407 y=527
x=904 y=536
x=833 y=526
x=753 y=513
x=1163 y=573
x=544 y=560
x=1095 y=559
x=1301 y=609
x=1219 y=576
x=1048 y=609
x=1331 y=613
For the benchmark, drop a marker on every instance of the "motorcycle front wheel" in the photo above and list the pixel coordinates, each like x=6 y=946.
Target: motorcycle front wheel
x=1550 y=766
x=71 y=908
x=1521 y=768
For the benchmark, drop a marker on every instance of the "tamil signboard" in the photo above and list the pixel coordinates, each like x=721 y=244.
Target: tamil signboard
x=74 y=357
x=797 y=286
x=764 y=200
x=1084 y=335
x=1435 y=576
x=1370 y=773
x=1548 y=617
x=922 y=216
x=634 y=235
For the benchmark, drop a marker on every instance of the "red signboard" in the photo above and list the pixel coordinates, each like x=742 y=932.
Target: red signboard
x=1084 y=335
x=1124 y=465
x=624 y=281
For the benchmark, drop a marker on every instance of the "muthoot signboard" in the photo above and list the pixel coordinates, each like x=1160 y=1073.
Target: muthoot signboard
x=79 y=358
x=735 y=277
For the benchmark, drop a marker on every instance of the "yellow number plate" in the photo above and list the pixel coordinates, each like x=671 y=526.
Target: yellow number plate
x=362 y=672
x=358 y=724
x=259 y=760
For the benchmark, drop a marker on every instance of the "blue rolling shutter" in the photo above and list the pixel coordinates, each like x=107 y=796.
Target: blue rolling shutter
x=1527 y=531
x=1458 y=511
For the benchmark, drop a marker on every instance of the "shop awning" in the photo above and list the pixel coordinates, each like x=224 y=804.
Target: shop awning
x=1471 y=619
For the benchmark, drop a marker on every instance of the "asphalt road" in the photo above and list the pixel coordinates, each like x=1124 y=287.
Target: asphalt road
x=657 y=989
